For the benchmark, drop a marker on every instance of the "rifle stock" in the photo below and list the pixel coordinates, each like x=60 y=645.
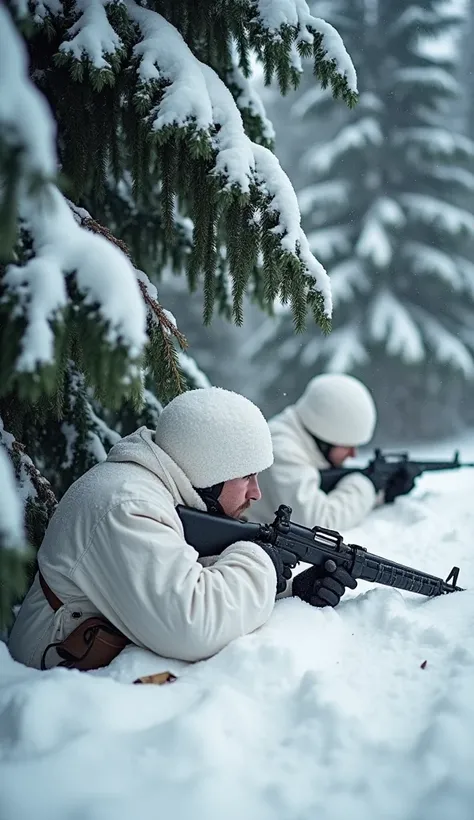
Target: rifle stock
x=210 y=535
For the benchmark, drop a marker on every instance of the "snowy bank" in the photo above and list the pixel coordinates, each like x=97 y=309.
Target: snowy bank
x=320 y=714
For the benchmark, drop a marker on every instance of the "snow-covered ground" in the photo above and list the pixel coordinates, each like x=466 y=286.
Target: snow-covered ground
x=359 y=713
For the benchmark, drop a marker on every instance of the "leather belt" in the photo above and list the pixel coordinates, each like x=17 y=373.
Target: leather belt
x=50 y=596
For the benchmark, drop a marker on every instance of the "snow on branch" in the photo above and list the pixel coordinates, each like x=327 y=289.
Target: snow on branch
x=347 y=278
x=285 y=203
x=343 y=350
x=390 y=322
x=28 y=485
x=454 y=175
x=196 y=95
x=439 y=214
x=99 y=434
x=192 y=97
x=335 y=49
x=12 y=533
x=426 y=259
x=448 y=348
x=21 y=105
x=276 y=14
x=334 y=192
x=331 y=242
x=438 y=142
x=249 y=98
x=92 y=35
x=466 y=269
x=415 y=16
x=104 y=277
x=235 y=159
x=309 y=101
x=41 y=8
x=192 y=372
x=164 y=56
x=360 y=135
x=375 y=242
x=432 y=77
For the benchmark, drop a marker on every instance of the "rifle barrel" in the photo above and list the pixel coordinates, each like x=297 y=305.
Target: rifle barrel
x=379 y=570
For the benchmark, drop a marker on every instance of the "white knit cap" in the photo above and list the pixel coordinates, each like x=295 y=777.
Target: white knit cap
x=337 y=409
x=214 y=435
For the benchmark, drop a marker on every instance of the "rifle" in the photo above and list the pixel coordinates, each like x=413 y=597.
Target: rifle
x=386 y=465
x=211 y=534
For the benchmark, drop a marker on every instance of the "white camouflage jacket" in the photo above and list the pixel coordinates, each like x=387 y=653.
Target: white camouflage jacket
x=116 y=546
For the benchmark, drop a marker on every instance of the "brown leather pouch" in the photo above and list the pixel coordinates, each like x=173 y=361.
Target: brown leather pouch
x=91 y=645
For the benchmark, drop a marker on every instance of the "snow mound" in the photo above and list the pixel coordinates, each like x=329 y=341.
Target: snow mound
x=363 y=711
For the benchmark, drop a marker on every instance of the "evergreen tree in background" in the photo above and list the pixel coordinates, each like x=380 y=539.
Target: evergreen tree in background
x=387 y=206
x=146 y=112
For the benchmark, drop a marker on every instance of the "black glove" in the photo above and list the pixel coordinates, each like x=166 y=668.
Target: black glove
x=283 y=561
x=377 y=475
x=323 y=586
x=401 y=483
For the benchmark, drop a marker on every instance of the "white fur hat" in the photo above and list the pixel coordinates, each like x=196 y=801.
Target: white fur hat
x=214 y=435
x=337 y=409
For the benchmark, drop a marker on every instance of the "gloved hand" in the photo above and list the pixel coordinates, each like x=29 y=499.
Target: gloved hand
x=283 y=561
x=401 y=483
x=377 y=475
x=323 y=586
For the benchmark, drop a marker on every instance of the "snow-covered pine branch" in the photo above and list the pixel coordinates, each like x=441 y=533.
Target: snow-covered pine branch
x=103 y=275
x=63 y=254
x=193 y=374
x=12 y=531
x=363 y=134
x=197 y=95
x=391 y=323
x=27 y=156
x=430 y=210
x=277 y=16
x=347 y=279
x=329 y=242
x=332 y=192
x=447 y=345
x=24 y=494
x=427 y=260
x=285 y=204
x=345 y=350
x=92 y=35
x=385 y=198
x=428 y=77
x=249 y=103
x=13 y=551
x=179 y=114
x=436 y=142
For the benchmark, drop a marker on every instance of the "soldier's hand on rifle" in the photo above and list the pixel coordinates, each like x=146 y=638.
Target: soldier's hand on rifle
x=323 y=585
x=402 y=482
x=283 y=561
x=378 y=475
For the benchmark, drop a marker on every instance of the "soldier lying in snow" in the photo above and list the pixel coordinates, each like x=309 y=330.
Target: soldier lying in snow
x=335 y=415
x=114 y=566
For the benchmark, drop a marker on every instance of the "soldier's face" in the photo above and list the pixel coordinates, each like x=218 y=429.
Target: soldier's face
x=237 y=495
x=338 y=455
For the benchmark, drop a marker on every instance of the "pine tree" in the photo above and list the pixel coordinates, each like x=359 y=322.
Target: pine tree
x=387 y=206
x=128 y=131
